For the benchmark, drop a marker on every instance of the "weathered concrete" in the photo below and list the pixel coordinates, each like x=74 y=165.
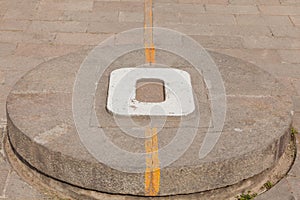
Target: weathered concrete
x=60 y=190
x=36 y=21
x=256 y=132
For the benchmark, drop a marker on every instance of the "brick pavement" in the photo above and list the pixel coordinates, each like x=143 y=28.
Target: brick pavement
x=266 y=33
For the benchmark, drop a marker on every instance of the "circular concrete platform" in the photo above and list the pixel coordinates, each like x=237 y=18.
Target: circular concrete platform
x=42 y=132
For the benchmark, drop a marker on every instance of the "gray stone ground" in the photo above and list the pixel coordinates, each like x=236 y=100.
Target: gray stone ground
x=266 y=33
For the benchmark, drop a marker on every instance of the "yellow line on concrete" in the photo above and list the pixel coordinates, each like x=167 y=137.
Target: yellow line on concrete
x=148 y=27
x=155 y=163
x=148 y=173
x=152 y=174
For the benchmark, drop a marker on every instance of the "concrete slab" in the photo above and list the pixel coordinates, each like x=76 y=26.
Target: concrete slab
x=256 y=132
x=16 y=15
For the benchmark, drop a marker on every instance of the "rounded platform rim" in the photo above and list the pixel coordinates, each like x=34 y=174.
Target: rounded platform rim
x=273 y=144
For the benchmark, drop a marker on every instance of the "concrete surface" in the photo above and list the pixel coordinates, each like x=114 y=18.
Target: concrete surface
x=265 y=33
x=40 y=124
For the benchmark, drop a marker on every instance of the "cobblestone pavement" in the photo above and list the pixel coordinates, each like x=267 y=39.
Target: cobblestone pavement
x=266 y=33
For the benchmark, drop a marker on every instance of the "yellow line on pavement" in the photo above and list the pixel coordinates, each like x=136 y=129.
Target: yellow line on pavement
x=152 y=174
x=148 y=27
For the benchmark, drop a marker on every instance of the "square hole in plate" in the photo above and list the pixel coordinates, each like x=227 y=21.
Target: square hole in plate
x=150 y=90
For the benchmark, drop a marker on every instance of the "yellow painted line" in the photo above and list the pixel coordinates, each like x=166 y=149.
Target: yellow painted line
x=148 y=172
x=155 y=163
x=152 y=174
x=150 y=54
x=148 y=37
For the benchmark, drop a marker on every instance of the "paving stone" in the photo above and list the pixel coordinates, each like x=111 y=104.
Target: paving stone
x=225 y=2
x=290 y=2
x=296 y=83
x=57 y=26
x=294 y=172
x=271 y=43
x=49 y=14
x=296 y=20
x=281 y=191
x=294 y=183
x=2 y=78
x=296 y=124
x=232 y=9
x=67 y=5
x=28 y=4
x=280 y=10
x=4 y=170
x=225 y=42
x=22 y=37
x=288 y=84
x=256 y=56
x=211 y=19
x=14 y=37
x=3 y=8
x=18 y=63
x=113 y=27
x=118 y=6
x=285 y=31
x=218 y=30
x=178 y=8
x=86 y=16
x=131 y=16
x=161 y=18
x=80 y=38
x=159 y=1
x=2 y=110
x=282 y=69
x=296 y=103
x=18 y=189
x=13 y=25
x=242 y=2
x=44 y=50
x=263 y=20
x=290 y=56
x=269 y=2
x=22 y=14
x=10 y=78
x=7 y=49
